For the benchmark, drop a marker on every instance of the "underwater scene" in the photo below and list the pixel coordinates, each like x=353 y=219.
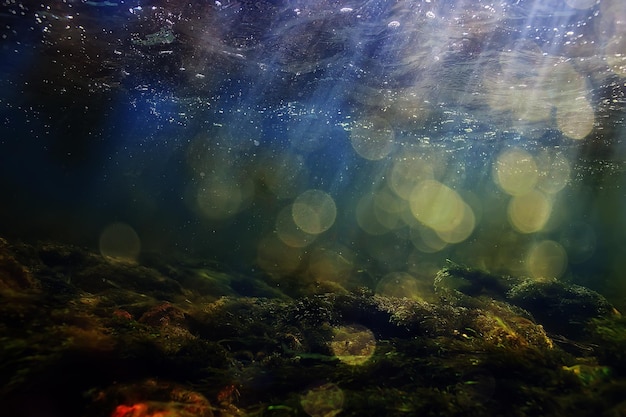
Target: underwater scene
x=312 y=208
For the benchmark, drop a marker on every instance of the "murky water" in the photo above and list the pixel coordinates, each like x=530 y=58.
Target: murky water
x=351 y=142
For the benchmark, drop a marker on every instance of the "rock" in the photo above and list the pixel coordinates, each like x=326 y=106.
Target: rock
x=561 y=308
x=454 y=279
x=14 y=275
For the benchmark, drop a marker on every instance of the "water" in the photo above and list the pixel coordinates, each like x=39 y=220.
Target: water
x=312 y=207
x=321 y=138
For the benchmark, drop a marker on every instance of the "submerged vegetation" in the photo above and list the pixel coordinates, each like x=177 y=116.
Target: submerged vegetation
x=82 y=336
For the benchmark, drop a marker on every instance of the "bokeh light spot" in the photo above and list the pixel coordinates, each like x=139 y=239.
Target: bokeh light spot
x=372 y=138
x=400 y=285
x=353 y=344
x=463 y=227
x=546 y=260
x=516 y=171
x=323 y=401
x=554 y=172
x=289 y=232
x=219 y=198
x=530 y=212
x=406 y=173
x=575 y=119
x=331 y=264
x=388 y=209
x=426 y=240
x=119 y=243
x=314 y=211
x=283 y=175
x=436 y=205
x=276 y=258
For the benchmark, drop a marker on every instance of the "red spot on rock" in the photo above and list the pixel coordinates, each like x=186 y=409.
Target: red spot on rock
x=122 y=314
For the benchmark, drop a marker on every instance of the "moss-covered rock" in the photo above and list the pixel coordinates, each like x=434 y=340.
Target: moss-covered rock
x=561 y=308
